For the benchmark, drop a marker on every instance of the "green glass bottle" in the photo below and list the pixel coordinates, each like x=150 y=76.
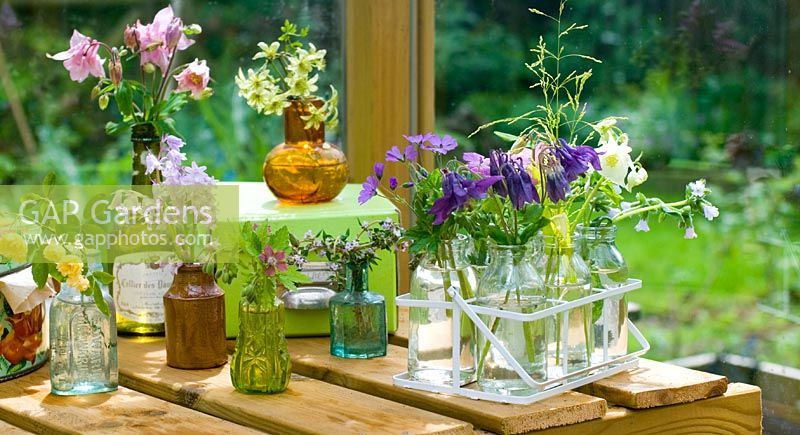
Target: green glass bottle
x=358 y=318
x=260 y=362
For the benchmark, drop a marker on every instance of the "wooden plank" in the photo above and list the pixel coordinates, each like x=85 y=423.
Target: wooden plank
x=307 y=406
x=311 y=357
x=400 y=337
x=27 y=403
x=738 y=411
x=10 y=429
x=657 y=384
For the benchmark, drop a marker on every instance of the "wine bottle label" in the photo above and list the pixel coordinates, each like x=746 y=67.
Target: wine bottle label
x=139 y=290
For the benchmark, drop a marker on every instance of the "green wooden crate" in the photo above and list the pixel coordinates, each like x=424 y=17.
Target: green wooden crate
x=257 y=203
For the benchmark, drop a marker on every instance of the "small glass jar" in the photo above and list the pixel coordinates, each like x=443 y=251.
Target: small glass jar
x=609 y=270
x=567 y=278
x=304 y=168
x=430 y=343
x=357 y=318
x=260 y=362
x=83 y=342
x=511 y=283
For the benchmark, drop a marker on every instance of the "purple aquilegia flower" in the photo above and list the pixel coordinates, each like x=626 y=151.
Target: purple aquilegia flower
x=275 y=261
x=378 y=169
x=516 y=184
x=368 y=189
x=393 y=183
x=439 y=144
x=576 y=160
x=477 y=163
x=555 y=181
x=457 y=192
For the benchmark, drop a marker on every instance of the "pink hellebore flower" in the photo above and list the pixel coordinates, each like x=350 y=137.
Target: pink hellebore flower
x=81 y=60
x=274 y=260
x=194 y=78
x=158 y=39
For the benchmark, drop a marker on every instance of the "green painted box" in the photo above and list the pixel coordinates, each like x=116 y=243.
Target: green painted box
x=257 y=203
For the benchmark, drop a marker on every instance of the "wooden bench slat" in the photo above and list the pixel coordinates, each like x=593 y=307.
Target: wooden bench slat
x=657 y=384
x=311 y=357
x=307 y=406
x=9 y=429
x=27 y=403
x=738 y=411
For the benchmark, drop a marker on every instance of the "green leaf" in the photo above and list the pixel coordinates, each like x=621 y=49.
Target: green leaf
x=174 y=103
x=40 y=272
x=103 y=277
x=506 y=136
x=280 y=239
x=101 y=303
x=124 y=98
x=114 y=128
x=53 y=271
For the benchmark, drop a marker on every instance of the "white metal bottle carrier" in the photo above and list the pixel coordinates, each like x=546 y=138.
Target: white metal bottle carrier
x=543 y=389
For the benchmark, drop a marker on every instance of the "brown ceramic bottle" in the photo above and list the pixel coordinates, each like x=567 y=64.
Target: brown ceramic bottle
x=194 y=320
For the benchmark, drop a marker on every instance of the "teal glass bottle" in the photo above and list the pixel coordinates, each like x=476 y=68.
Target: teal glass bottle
x=358 y=318
x=83 y=343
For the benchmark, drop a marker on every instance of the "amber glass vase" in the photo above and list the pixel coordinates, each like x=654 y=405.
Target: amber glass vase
x=194 y=320
x=304 y=168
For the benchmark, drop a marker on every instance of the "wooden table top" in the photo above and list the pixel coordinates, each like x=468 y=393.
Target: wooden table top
x=329 y=395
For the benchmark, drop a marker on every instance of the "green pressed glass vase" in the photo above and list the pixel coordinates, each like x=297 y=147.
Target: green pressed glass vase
x=358 y=318
x=261 y=363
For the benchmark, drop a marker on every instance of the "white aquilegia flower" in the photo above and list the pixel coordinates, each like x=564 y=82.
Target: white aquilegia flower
x=615 y=158
x=689 y=233
x=642 y=226
x=698 y=188
x=637 y=176
x=710 y=211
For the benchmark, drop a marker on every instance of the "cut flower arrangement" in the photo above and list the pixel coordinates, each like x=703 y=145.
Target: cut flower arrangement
x=538 y=216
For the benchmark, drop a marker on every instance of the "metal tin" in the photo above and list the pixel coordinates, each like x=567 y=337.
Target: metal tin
x=24 y=346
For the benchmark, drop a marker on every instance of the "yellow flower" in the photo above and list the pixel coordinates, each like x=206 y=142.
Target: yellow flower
x=79 y=282
x=54 y=252
x=70 y=266
x=13 y=247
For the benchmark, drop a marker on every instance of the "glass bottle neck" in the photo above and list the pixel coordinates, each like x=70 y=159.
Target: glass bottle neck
x=294 y=127
x=451 y=254
x=508 y=253
x=596 y=234
x=356 y=277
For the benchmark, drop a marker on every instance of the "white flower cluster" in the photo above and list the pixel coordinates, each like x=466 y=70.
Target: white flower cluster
x=289 y=72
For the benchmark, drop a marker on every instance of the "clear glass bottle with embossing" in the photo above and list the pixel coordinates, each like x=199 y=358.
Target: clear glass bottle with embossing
x=83 y=343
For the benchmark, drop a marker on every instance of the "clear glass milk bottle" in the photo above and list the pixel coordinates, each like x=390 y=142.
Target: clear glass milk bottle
x=567 y=278
x=430 y=344
x=83 y=342
x=511 y=283
x=609 y=270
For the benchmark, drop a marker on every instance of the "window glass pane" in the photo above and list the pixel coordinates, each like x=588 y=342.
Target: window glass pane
x=66 y=128
x=710 y=91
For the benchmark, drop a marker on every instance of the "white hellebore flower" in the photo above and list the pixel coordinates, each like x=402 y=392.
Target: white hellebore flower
x=615 y=158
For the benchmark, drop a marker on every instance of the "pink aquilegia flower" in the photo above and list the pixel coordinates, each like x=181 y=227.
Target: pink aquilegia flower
x=275 y=261
x=81 y=60
x=194 y=78
x=157 y=39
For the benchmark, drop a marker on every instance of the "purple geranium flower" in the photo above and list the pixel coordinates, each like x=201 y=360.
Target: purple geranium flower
x=368 y=189
x=394 y=154
x=439 y=144
x=418 y=139
x=555 y=180
x=576 y=160
x=457 y=192
x=378 y=168
x=477 y=163
x=392 y=183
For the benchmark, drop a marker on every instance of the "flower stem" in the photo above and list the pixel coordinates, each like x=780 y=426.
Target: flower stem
x=634 y=211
